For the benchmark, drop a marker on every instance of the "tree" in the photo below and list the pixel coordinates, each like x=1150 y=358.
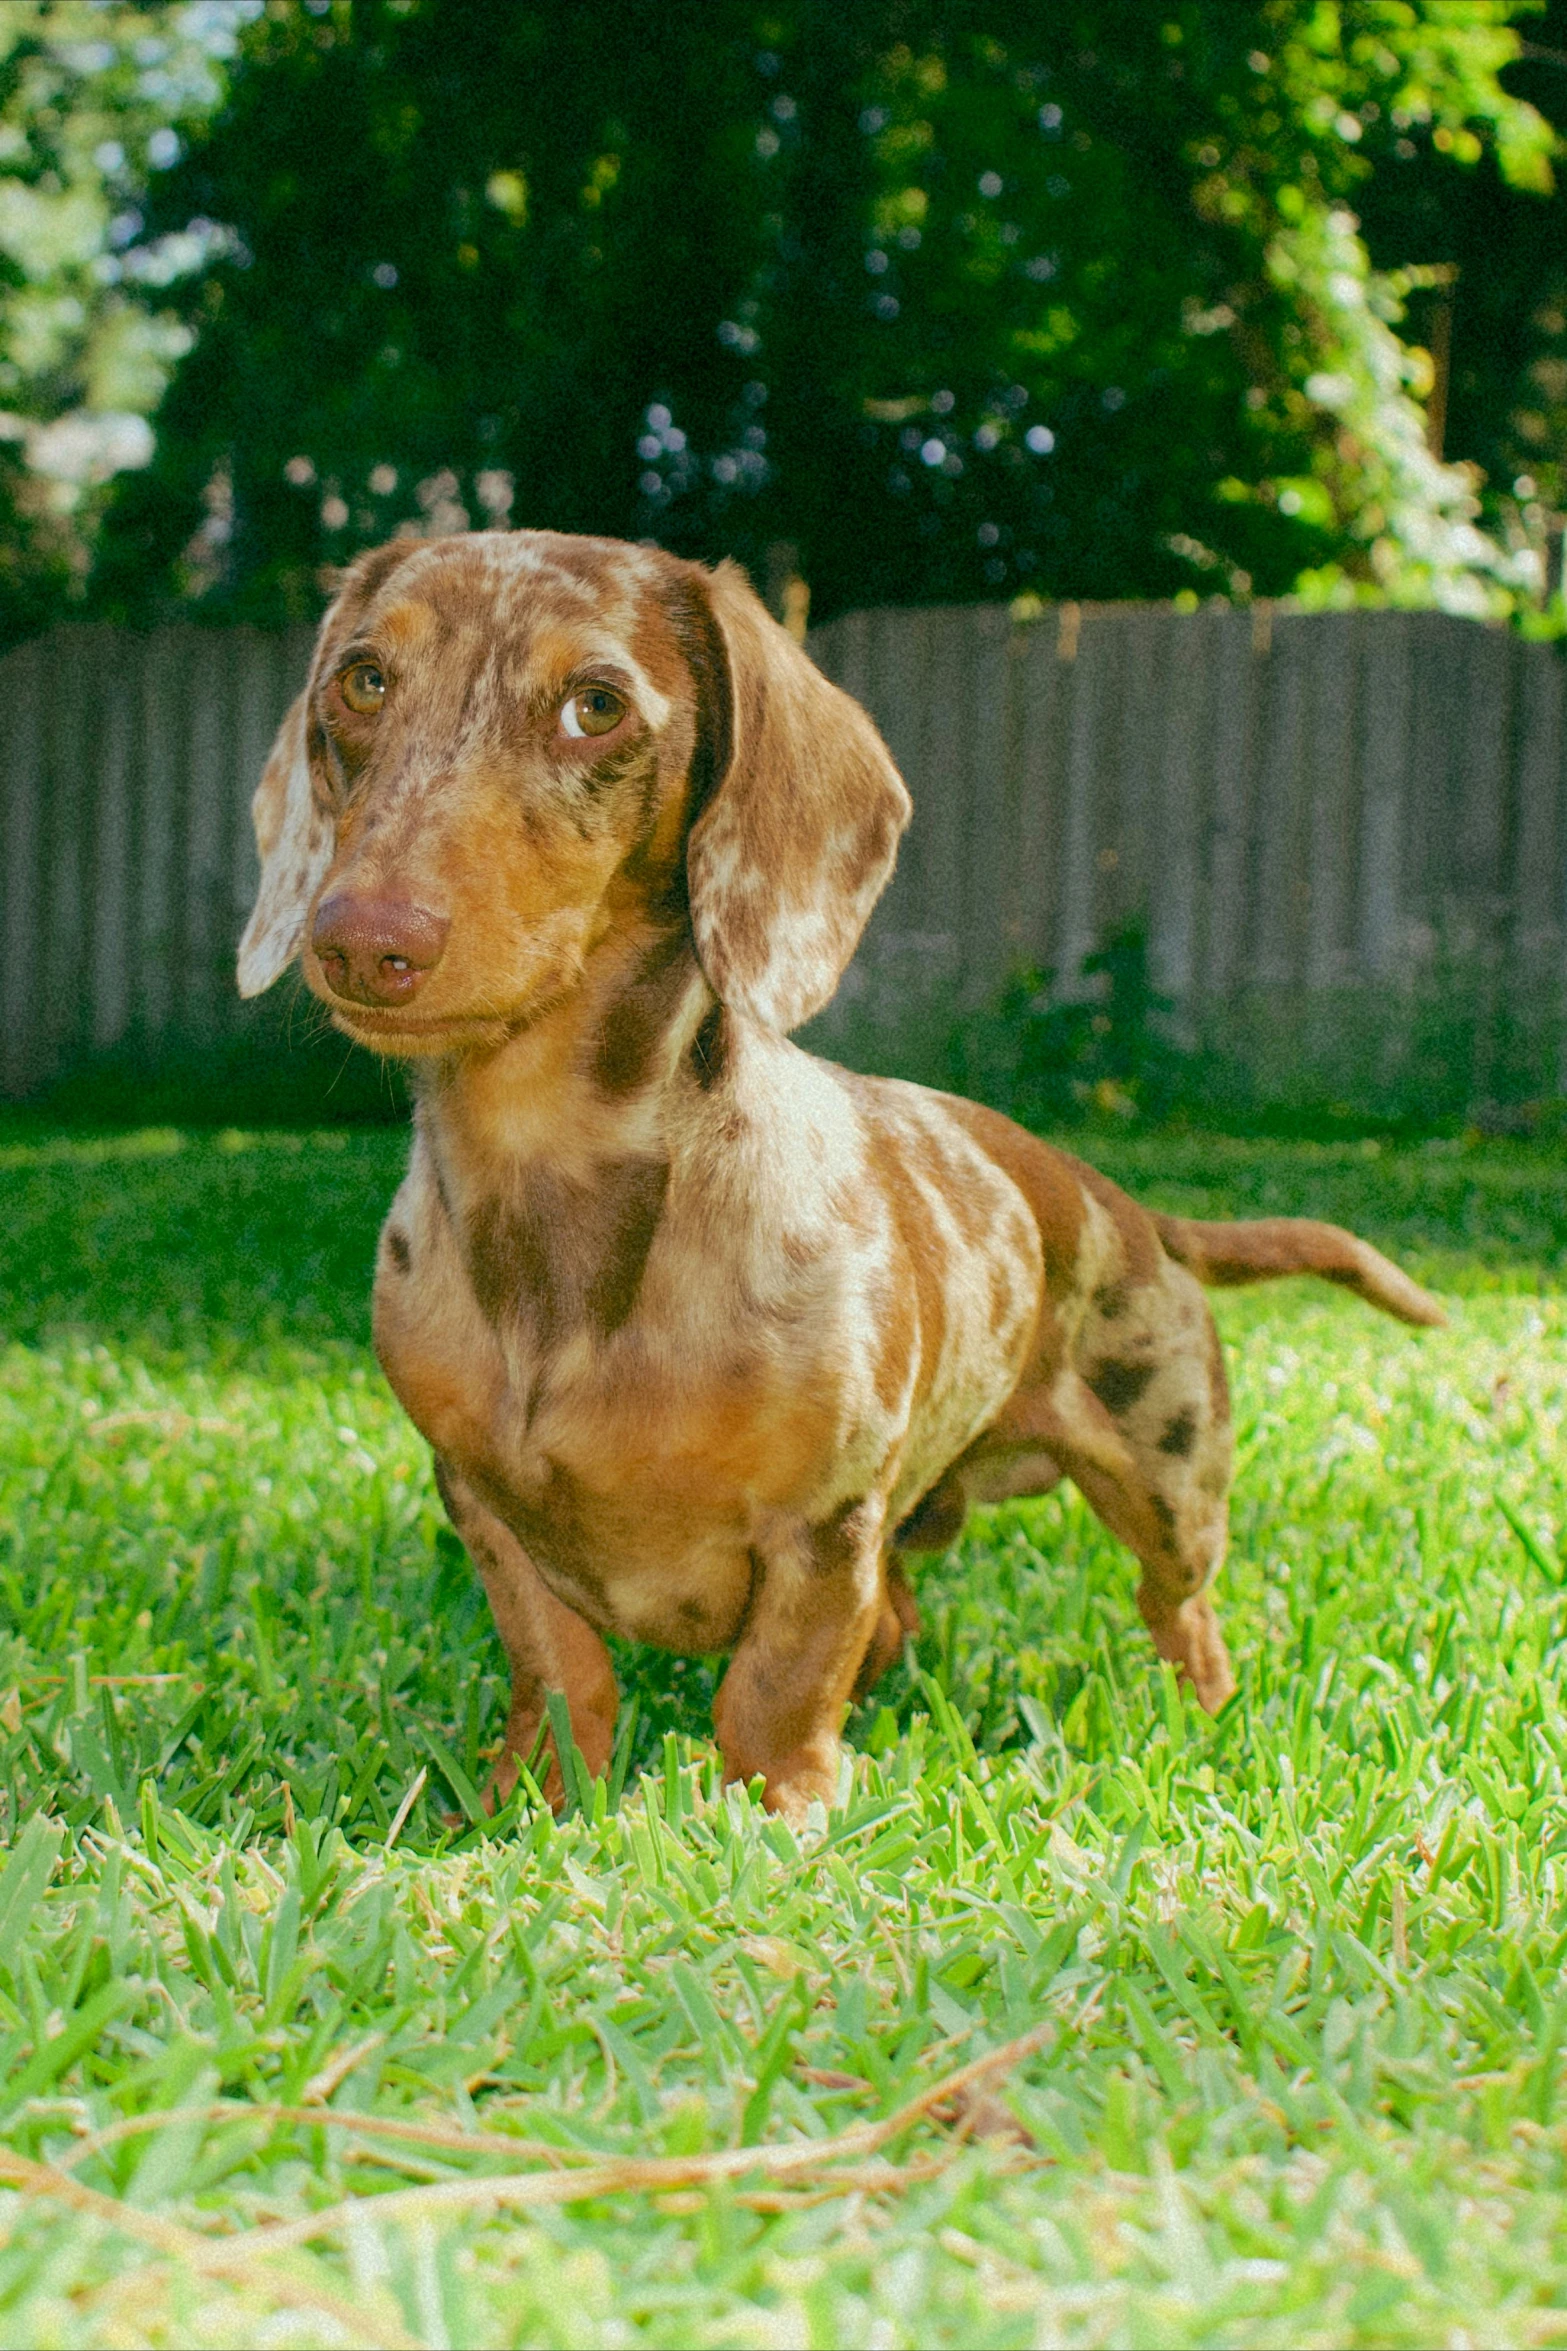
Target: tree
x=93 y=97
x=1495 y=297
x=959 y=297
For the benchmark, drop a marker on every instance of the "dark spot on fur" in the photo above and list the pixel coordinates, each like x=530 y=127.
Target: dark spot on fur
x=567 y=1253
x=1218 y=1383
x=709 y=1050
x=701 y=646
x=935 y=1523
x=1118 y=1385
x=441 y=1192
x=398 y=1250
x=1166 y=1517
x=838 y=1544
x=613 y=1293
x=1180 y=1434
x=1110 y=1301
x=639 y=1019
x=550 y=1524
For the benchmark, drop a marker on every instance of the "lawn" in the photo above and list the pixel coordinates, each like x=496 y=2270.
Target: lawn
x=297 y=2048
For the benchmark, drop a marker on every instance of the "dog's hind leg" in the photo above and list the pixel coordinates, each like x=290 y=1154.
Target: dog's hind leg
x=1152 y=1368
x=1140 y=1422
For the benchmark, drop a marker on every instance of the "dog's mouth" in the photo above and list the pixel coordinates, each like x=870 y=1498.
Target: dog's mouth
x=392 y=1030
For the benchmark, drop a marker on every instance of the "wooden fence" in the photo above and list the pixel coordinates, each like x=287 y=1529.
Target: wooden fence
x=126 y=860
x=1293 y=804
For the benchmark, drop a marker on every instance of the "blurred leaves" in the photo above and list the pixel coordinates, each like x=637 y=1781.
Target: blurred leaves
x=94 y=96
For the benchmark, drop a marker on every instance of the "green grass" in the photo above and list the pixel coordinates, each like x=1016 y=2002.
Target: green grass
x=1298 y=1975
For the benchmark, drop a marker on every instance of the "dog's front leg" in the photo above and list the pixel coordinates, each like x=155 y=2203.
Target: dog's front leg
x=815 y=1604
x=548 y=1647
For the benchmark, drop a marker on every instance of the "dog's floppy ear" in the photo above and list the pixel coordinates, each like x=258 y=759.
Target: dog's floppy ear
x=798 y=835
x=295 y=839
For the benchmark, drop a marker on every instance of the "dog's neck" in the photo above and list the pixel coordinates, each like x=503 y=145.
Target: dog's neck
x=588 y=1080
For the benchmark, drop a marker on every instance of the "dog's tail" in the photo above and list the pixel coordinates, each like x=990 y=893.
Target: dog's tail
x=1223 y=1255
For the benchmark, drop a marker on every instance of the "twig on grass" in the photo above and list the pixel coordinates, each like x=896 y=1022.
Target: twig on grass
x=381 y=2126
x=629 y=2175
x=622 y=2175
x=865 y=2179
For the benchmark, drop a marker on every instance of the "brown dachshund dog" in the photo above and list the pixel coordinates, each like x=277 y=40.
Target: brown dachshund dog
x=706 y=1334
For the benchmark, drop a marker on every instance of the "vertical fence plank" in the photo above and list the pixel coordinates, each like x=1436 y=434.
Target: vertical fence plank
x=159 y=764
x=1332 y=826
x=949 y=782
x=1105 y=632
x=263 y=685
x=898 y=951
x=1385 y=718
x=71 y=734
x=1485 y=800
x=982 y=852
x=1126 y=872
x=1532 y=993
x=112 y=845
x=1279 y=904
x=901 y=710
x=1229 y=793
x=1082 y=644
x=1041 y=699
x=1483 y=776
x=1171 y=829
x=205 y=966
x=1537 y=846
x=1429 y=890
x=22 y=682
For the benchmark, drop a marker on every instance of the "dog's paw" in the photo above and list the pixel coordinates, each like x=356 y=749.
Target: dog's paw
x=804 y=1790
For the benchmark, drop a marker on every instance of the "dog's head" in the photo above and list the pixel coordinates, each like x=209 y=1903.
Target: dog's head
x=512 y=742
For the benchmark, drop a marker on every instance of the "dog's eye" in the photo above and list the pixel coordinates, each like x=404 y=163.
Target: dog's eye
x=363 y=688
x=595 y=711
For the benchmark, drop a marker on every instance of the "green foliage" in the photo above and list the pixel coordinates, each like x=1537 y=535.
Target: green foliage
x=949 y=302
x=93 y=98
x=1301 y=1969
x=1456 y=1048
x=1043 y=1057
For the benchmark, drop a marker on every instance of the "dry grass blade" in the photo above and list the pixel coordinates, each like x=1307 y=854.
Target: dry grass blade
x=410 y=1799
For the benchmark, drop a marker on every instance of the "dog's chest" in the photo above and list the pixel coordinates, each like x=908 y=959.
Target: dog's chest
x=630 y=1452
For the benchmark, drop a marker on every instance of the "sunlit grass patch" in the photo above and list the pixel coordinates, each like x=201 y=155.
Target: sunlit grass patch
x=1297 y=1976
